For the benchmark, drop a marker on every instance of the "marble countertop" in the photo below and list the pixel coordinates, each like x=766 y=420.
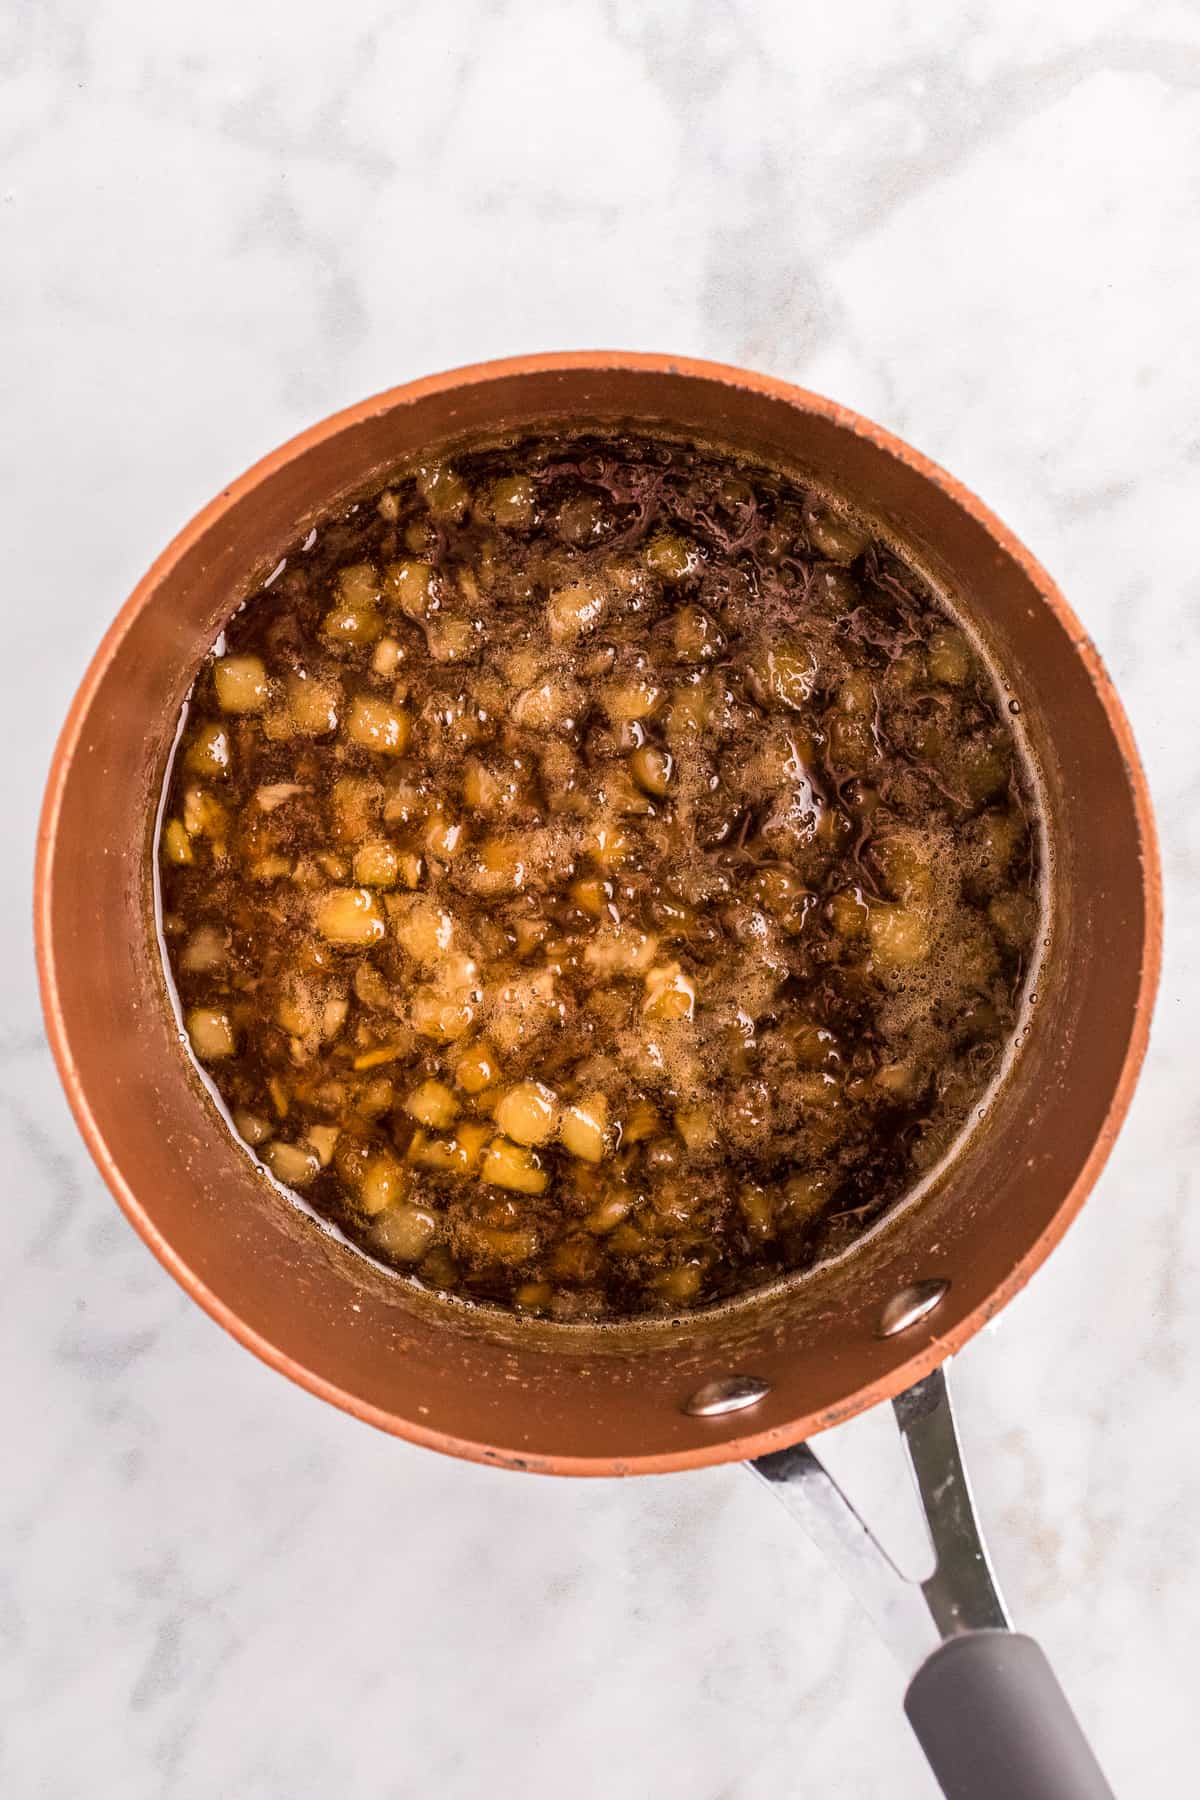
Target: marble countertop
x=217 y=223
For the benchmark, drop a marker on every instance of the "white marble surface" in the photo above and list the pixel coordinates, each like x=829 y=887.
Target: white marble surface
x=976 y=223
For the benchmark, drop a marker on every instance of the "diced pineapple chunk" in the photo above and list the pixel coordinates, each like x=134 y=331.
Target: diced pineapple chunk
x=378 y=1057
x=806 y=1193
x=898 y=1078
x=652 y=768
x=671 y=557
x=533 y=1296
x=529 y=933
x=250 y=1128
x=549 y=705
x=643 y=1122
x=422 y=927
x=1013 y=916
x=387 y=656
x=292 y=1164
x=205 y=950
x=355 y=802
x=211 y=1033
x=832 y=533
x=274 y=794
x=443 y=491
x=695 y=636
x=789 y=673
x=383 y=1183
x=670 y=994
x=358 y=584
x=494 y=1242
x=572 y=611
x=376 y=865
x=620 y=950
x=376 y=725
x=348 y=916
x=477 y=1067
x=441 y=1016
x=694 y=707
x=444 y=837
x=584 y=1129
x=906 y=867
x=313 y=703
x=522 y=665
x=209 y=752
x=619 y=793
x=949 y=657
x=681 y=1284
x=411 y=586
x=998 y=836
x=849 y=913
x=509 y=502
x=696 y=1128
x=983 y=768
x=432 y=1104
x=899 y=936
x=240 y=683
x=608 y=1215
x=471 y=1136
x=857 y=694
x=202 y=815
x=405 y=1232
x=593 y=895
x=633 y=699
x=298 y=1009
x=527 y=1112
x=323 y=1138
x=439 y=1153
x=354 y=616
x=450 y=640
x=757 y=1209
x=513 y=1166
x=606 y=841
x=457 y=1155
x=352 y=624
x=177 y=846
x=502 y=866
x=482 y=790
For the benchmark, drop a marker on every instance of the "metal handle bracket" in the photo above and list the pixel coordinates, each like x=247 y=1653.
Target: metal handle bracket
x=960 y=1594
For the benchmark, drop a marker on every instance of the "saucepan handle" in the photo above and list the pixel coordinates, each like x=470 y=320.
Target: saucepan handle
x=984 y=1702
x=993 y=1721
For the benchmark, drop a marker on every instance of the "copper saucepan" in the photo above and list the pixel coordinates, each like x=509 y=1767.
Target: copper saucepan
x=769 y=1372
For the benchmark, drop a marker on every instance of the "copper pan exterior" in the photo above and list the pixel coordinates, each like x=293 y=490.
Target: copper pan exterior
x=571 y=1400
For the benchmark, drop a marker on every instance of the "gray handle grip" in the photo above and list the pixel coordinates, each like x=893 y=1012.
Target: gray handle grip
x=995 y=1725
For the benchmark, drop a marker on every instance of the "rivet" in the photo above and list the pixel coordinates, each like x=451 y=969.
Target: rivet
x=910 y=1306
x=729 y=1394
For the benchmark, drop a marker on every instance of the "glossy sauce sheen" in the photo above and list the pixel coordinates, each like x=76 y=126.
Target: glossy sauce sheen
x=600 y=875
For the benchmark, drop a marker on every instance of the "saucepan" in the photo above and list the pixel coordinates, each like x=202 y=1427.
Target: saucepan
x=760 y=1378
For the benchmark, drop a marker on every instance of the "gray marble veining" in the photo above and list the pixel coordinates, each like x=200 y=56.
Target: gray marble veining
x=975 y=223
